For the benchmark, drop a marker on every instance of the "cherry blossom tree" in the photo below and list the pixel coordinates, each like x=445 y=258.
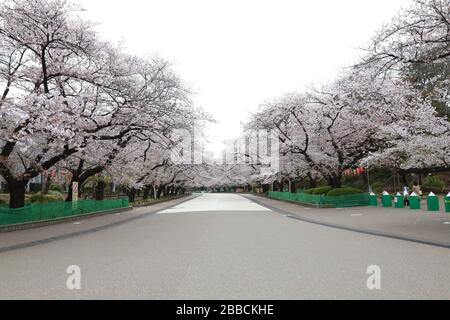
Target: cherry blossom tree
x=418 y=34
x=68 y=94
x=325 y=132
x=41 y=124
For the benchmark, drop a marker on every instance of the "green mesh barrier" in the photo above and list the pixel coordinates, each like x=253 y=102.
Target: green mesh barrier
x=53 y=210
x=353 y=200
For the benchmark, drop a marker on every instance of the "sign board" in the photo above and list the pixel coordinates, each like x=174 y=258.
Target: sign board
x=74 y=195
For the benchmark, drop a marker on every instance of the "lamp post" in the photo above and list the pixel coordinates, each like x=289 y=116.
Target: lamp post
x=368 y=180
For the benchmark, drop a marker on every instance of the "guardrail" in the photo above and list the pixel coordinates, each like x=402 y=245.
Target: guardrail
x=53 y=210
x=353 y=200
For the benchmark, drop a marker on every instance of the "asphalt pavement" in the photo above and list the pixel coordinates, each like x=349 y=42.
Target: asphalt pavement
x=216 y=246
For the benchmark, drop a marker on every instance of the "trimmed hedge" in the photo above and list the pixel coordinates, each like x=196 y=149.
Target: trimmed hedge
x=319 y=190
x=344 y=191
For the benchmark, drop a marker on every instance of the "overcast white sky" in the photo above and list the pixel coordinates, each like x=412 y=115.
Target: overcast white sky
x=237 y=53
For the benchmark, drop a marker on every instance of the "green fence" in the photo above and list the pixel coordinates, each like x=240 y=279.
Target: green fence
x=353 y=200
x=52 y=210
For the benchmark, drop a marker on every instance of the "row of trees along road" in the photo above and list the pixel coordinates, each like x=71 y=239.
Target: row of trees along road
x=70 y=100
x=390 y=110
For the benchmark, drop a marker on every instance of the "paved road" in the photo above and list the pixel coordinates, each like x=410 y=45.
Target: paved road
x=221 y=247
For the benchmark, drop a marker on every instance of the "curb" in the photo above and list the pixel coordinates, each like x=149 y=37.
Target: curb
x=161 y=200
x=303 y=204
x=44 y=223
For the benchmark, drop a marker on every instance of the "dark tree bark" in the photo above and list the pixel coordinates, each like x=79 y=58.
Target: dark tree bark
x=70 y=192
x=147 y=192
x=131 y=195
x=80 y=175
x=100 y=190
x=17 y=193
x=160 y=191
x=46 y=185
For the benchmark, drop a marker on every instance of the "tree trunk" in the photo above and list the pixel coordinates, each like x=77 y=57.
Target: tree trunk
x=16 y=193
x=131 y=195
x=100 y=190
x=160 y=192
x=146 y=192
x=75 y=178
x=46 y=184
x=69 y=193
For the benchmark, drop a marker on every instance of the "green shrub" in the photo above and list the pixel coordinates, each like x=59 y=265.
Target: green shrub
x=52 y=196
x=344 y=191
x=378 y=186
x=56 y=187
x=3 y=203
x=319 y=190
x=434 y=182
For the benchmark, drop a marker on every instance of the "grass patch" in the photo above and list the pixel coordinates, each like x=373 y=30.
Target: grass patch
x=52 y=196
